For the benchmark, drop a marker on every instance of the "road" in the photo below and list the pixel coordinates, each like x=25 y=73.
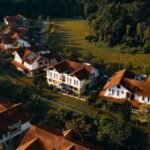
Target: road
x=65 y=106
x=59 y=104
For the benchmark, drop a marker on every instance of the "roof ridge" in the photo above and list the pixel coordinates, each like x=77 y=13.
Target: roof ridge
x=77 y=70
x=13 y=106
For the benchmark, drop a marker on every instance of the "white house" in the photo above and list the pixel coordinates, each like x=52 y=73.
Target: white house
x=30 y=62
x=15 y=20
x=72 y=77
x=125 y=85
x=14 y=121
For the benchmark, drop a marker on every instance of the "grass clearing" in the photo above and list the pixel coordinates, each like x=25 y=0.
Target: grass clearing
x=71 y=33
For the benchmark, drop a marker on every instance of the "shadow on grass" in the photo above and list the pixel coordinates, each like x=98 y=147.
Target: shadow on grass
x=63 y=38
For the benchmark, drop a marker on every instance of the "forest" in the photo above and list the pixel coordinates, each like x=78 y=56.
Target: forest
x=124 y=22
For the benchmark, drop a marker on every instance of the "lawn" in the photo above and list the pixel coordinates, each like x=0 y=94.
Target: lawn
x=71 y=33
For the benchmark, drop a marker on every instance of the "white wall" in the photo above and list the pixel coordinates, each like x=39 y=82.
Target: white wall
x=32 y=66
x=17 y=58
x=142 y=99
x=139 y=98
x=23 y=43
x=122 y=92
x=56 y=79
x=26 y=126
x=69 y=80
x=8 y=46
x=9 y=136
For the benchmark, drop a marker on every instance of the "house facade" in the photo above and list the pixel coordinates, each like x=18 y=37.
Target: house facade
x=124 y=85
x=14 y=121
x=71 y=76
x=30 y=62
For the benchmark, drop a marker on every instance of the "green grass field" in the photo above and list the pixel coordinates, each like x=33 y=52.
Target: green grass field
x=71 y=33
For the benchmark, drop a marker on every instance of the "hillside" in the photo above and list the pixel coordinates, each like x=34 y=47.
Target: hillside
x=72 y=32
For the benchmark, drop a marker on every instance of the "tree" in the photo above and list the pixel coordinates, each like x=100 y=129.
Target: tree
x=82 y=127
x=126 y=111
x=39 y=81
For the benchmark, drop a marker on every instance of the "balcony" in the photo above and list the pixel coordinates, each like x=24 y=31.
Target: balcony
x=15 y=132
x=14 y=125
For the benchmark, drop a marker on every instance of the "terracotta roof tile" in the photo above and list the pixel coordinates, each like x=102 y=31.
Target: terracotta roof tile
x=117 y=77
x=49 y=140
x=140 y=87
x=80 y=70
x=28 y=55
x=148 y=78
x=16 y=113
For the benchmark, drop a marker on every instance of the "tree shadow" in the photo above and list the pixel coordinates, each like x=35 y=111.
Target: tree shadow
x=63 y=38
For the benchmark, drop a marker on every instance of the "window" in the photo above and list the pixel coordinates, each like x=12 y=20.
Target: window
x=143 y=98
x=47 y=62
x=148 y=99
x=112 y=92
x=70 y=80
x=109 y=90
x=76 y=82
x=118 y=86
x=122 y=92
x=50 y=80
x=118 y=92
x=128 y=95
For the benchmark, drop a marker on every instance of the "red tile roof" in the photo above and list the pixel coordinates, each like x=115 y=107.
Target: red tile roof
x=117 y=77
x=126 y=79
x=148 y=78
x=140 y=87
x=74 y=68
x=28 y=55
x=15 y=113
x=47 y=140
x=20 y=65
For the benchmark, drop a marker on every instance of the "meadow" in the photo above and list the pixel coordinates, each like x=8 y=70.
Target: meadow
x=71 y=33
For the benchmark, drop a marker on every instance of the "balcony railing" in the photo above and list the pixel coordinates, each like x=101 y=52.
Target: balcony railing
x=14 y=125
x=15 y=132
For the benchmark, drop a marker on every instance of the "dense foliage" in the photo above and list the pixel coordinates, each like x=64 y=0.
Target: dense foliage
x=112 y=21
x=34 y=8
x=116 y=21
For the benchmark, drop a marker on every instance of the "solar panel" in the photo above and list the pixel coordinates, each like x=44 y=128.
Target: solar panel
x=31 y=56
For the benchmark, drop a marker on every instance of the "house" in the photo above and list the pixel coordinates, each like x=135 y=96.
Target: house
x=30 y=62
x=14 y=121
x=125 y=85
x=71 y=76
x=46 y=138
x=15 y=20
x=14 y=37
